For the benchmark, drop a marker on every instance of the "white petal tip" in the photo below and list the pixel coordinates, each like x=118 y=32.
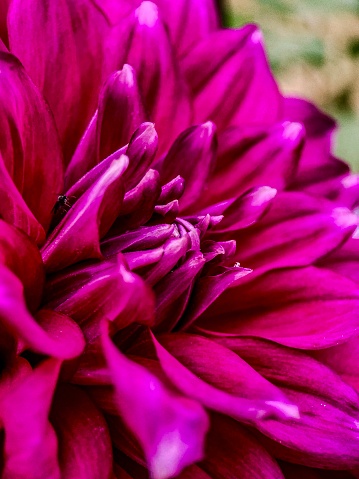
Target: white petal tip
x=147 y=14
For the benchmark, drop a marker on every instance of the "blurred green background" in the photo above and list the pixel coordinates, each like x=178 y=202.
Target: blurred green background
x=313 y=48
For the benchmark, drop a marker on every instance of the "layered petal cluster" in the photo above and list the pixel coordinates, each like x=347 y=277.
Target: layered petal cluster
x=178 y=253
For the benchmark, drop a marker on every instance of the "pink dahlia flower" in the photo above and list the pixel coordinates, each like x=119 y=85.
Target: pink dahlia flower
x=146 y=154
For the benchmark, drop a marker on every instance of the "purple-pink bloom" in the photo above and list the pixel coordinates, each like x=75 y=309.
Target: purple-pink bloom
x=188 y=306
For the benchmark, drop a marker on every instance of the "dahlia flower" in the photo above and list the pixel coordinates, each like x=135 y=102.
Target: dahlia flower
x=179 y=259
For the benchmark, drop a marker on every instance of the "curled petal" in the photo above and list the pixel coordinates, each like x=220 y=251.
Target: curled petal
x=193 y=157
x=22 y=257
x=59 y=337
x=139 y=203
x=148 y=50
x=208 y=288
x=30 y=441
x=77 y=236
x=232 y=84
x=14 y=210
x=85 y=450
x=29 y=144
x=243 y=211
x=170 y=429
x=142 y=238
x=171 y=287
x=119 y=114
x=106 y=290
x=120 y=111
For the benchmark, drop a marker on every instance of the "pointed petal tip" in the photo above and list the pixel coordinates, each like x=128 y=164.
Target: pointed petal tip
x=263 y=195
x=147 y=14
x=208 y=128
x=351 y=180
x=126 y=75
x=292 y=131
x=164 y=464
x=344 y=218
x=257 y=36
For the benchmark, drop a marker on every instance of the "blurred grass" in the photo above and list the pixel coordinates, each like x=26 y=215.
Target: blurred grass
x=313 y=48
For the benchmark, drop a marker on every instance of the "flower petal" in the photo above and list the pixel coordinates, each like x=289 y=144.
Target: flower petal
x=29 y=144
x=85 y=450
x=243 y=211
x=14 y=210
x=67 y=37
x=144 y=44
x=59 y=337
x=328 y=433
x=170 y=429
x=244 y=456
x=30 y=441
x=105 y=290
x=139 y=203
x=119 y=114
x=192 y=156
x=319 y=130
x=22 y=257
x=306 y=308
x=142 y=238
x=230 y=80
x=77 y=236
x=296 y=230
x=254 y=157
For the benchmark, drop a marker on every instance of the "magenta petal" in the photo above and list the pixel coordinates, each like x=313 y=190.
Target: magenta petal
x=105 y=290
x=252 y=157
x=319 y=130
x=170 y=428
x=242 y=212
x=77 y=236
x=149 y=52
x=4 y=7
x=169 y=290
x=245 y=457
x=29 y=144
x=14 y=210
x=173 y=190
x=221 y=383
x=30 y=441
x=85 y=450
x=119 y=113
x=328 y=434
x=141 y=152
x=59 y=337
x=208 y=288
x=67 y=37
x=190 y=21
x=296 y=230
x=140 y=239
x=230 y=80
x=22 y=257
x=139 y=203
x=192 y=156
x=306 y=308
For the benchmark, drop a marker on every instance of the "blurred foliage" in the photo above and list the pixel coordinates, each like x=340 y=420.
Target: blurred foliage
x=313 y=48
